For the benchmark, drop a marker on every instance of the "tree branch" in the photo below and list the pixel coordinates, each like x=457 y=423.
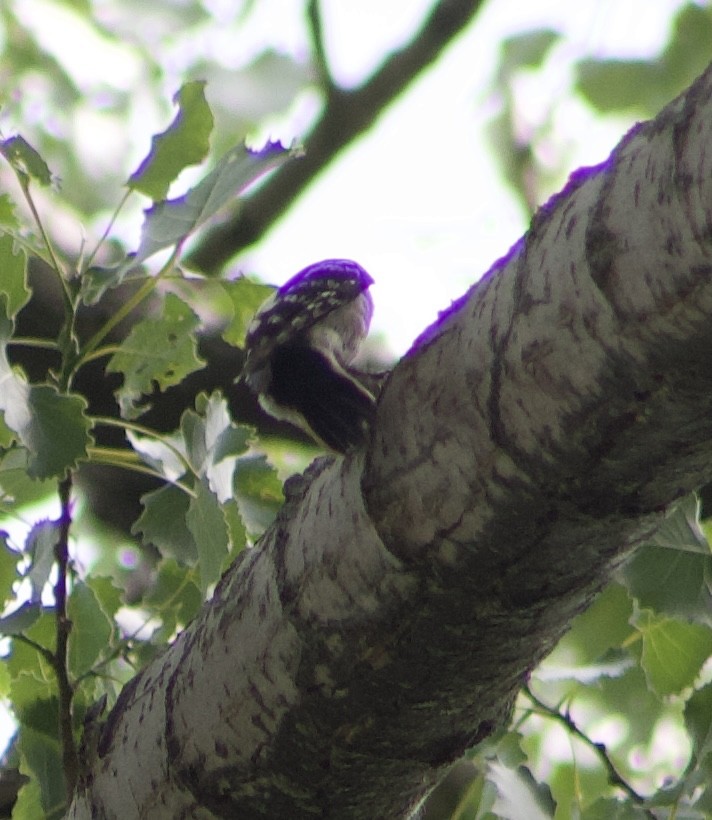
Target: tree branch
x=63 y=628
x=346 y=115
x=534 y=436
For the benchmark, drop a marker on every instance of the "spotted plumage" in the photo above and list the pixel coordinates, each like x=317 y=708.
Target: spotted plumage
x=300 y=346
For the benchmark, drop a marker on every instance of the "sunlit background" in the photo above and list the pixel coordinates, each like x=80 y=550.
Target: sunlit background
x=419 y=201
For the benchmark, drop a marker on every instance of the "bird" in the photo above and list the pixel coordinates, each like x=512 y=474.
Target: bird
x=299 y=349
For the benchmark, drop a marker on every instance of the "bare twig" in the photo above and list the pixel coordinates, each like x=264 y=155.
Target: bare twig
x=61 y=659
x=599 y=749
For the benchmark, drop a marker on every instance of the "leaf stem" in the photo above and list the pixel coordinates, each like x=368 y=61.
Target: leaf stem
x=109 y=457
x=25 y=186
x=142 y=430
x=107 y=230
x=99 y=353
x=142 y=293
x=29 y=341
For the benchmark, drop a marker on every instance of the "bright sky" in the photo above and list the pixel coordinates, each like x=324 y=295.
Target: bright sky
x=418 y=201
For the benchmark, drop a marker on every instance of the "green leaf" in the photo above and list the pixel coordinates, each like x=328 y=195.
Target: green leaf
x=35 y=703
x=91 y=629
x=13 y=282
x=8 y=570
x=608 y=808
x=8 y=217
x=645 y=86
x=673 y=583
x=170 y=222
x=605 y=625
x=19 y=621
x=236 y=530
x=681 y=529
x=622 y=85
x=687 y=52
x=39 y=547
x=258 y=492
x=17 y=489
x=246 y=297
x=160 y=350
x=28 y=805
x=527 y=50
x=519 y=794
x=52 y=426
x=43 y=757
x=107 y=595
x=207 y=525
x=25 y=161
x=163 y=455
x=698 y=720
x=673 y=651
x=5 y=681
x=57 y=433
x=175 y=592
x=26 y=661
x=7 y=436
x=96 y=280
x=212 y=442
x=162 y=523
x=673 y=575
x=184 y=143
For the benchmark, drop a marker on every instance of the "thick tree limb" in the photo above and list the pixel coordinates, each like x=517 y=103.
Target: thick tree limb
x=532 y=438
x=346 y=115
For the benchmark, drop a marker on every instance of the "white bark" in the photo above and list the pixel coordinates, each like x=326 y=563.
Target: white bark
x=533 y=436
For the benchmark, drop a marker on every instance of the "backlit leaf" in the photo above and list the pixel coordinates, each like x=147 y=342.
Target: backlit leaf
x=185 y=142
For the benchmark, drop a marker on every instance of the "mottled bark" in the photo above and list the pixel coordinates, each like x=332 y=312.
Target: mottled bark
x=530 y=440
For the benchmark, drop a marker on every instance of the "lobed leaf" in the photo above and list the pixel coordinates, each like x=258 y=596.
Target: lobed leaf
x=212 y=442
x=698 y=720
x=20 y=620
x=673 y=651
x=91 y=629
x=246 y=296
x=8 y=217
x=53 y=427
x=158 y=351
x=39 y=547
x=208 y=527
x=8 y=569
x=677 y=584
x=174 y=595
x=169 y=222
x=13 y=282
x=25 y=160
x=185 y=142
x=258 y=493
x=43 y=756
x=162 y=523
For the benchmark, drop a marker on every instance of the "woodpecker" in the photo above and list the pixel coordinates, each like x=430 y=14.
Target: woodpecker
x=300 y=346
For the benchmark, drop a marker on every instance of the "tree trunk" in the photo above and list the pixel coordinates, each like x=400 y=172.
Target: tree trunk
x=530 y=440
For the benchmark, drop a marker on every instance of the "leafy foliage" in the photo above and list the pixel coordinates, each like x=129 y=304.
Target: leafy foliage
x=630 y=682
x=47 y=434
